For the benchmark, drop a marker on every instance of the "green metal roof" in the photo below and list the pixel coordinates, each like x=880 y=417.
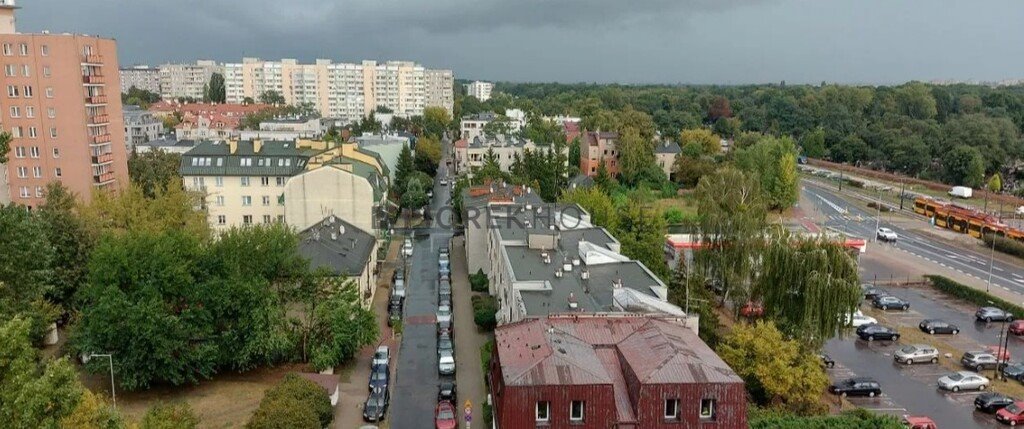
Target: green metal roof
x=275 y=158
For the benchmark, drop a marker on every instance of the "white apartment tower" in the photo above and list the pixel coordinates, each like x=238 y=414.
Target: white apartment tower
x=480 y=90
x=186 y=80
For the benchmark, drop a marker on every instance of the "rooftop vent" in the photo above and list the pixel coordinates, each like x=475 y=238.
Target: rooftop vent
x=617 y=284
x=585 y=274
x=576 y=262
x=567 y=265
x=573 y=303
x=546 y=257
x=334 y=235
x=529 y=207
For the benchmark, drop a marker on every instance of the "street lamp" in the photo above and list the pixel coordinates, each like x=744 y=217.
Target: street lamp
x=110 y=357
x=878 y=215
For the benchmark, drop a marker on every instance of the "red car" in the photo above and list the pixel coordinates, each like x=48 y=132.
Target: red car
x=1017 y=327
x=999 y=352
x=1012 y=414
x=444 y=416
x=752 y=310
x=919 y=422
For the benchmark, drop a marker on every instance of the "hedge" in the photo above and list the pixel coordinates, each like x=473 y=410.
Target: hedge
x=1005 y=245
x=972 y=295
x=855 y=419
x=485 y=309
x=478 y=282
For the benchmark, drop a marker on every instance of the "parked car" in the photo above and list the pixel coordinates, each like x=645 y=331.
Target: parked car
x=446 y=364
x=376 y=405
x=398 y=291
x=919 y=422
x=890 y=302
x=447 y=391
x=916 y=353
x=1013 y=370
x=444 y=291
x=444 y=327
x=827 y=361
x=443 y=250
x=1016 y=327
x=990 y=402
x=444 y=181
x=379 y=377
x=394 y=314
x=857 y=386
x=992 y=314
x=444 y=313
x=444 y=270
x=979 y=360
x=858 y=319
x=871 y=292
x=1011 y=414
x=938 y=326
x=752 y=310
x=963 y=380
x=399 y=273
x=444 y=416
x=407 y=247
x=999 y=352
x=381 y=357
x=886 y=234
x=445 y=344
x=875 y=331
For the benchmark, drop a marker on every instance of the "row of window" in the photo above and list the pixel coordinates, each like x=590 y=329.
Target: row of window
x=200 y=182
x=25 y=192
x=37 y=172
x=16 y=132
x=247 y=200
x=247 y=219
x=44 y=50
x=11 y=70
x=577 y=410
x=32 y=152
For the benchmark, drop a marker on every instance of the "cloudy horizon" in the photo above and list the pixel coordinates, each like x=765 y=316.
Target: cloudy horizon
x=645 y=41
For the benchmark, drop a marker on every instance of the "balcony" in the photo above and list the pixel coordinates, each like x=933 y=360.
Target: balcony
x=103 y=159
x=103 y=177
x=96 y=99
x=92 y=59
x=101 y=139
x=94 y=80
x=99 y=119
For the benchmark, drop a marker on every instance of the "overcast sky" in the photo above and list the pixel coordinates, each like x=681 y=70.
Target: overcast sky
x=628 y=41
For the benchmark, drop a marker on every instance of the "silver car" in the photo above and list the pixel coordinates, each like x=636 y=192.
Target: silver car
x=963 y=380
x=444 y=313
x=916 y=353
x=446 y=363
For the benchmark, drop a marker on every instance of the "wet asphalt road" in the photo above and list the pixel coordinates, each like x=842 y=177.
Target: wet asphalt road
x=416 y=382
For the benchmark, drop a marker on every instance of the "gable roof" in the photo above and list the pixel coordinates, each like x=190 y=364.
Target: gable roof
x=337 y=245
x=667 y=147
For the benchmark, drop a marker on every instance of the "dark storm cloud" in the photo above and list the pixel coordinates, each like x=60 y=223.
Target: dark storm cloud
x=690 y=41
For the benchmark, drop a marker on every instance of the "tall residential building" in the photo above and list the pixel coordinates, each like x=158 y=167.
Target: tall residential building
x=187 y=80
x=140 y=126
x=480 y=90
x=344 y=91
x=142 y=77
x=63 y=110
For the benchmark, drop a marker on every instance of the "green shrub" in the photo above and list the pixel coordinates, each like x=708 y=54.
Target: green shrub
x=485 y=308
x=855 y=419
x=170 y=416
x=485 y=355
x=855 y=183
x=305 y=392
x=284 y=413
x=1008 y=246
x=488 y=414
x=884 y=208
x=974 y=296
x=478 y=282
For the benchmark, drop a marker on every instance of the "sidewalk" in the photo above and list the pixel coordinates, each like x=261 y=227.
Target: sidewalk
x=468 y=339
x=353 y=377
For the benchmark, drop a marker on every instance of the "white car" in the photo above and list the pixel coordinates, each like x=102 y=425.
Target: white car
x=444 y=314
x=858 y=318
x=407 y=247
x=381 y=357
x=963 y=380
x=886 y=234
x=444 y=181
x=446 y=363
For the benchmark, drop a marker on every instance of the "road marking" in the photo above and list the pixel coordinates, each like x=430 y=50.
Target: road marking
x=1017 y=275
x=997 y=268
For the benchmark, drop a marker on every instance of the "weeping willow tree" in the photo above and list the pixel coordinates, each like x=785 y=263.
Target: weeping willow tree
x=807 y=286
x=732 y=218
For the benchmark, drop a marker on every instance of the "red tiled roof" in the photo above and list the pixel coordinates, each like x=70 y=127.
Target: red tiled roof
x=461 y=143
x=238 y=110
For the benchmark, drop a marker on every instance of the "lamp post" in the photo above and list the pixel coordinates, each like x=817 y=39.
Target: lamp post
x=110 y=357
x=878 y=215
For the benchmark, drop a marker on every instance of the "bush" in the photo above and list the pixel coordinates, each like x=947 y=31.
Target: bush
x=485 y=308
x=278 y=401
x=855 y=419
x=972 y=295
x=170 y=416
x=1008 y=246
x=284 y=413
x=486 y=351
x=884 y=208
x=478 y=282
x=855 y=183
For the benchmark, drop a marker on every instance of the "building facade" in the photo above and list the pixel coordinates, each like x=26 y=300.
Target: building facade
x=63 y=110
x=140 y=126
x=187 y=80
x=480 y=90
x=286 y=129
x=665 y=153
x=346 y=91
x=473 y=154
x=598 y=147
x=141 y=77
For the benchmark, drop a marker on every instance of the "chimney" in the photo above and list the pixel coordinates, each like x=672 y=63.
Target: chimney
x=257 y=145
x=232 y=146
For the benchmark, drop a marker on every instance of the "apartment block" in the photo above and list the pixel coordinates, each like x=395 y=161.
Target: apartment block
x=63 y=110
x=141 y=77
x=187 y=80
x=480 y=90
x=140 y=126
x=597 y=147
x=345 y=91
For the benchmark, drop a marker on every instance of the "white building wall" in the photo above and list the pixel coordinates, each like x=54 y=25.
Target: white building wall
x=312 y=195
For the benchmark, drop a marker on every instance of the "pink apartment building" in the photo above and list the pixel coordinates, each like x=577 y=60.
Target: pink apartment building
x=61 y=102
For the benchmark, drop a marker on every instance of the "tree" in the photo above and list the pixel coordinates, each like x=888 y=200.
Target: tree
x=635 y=155
x=26 y=270
x=170 y=416
x=916 y=101
x=271 y=97
x=964 y=165
x=428 y=154
x=5 y=146
x=130 y=210
x=154 y=170
x=415 y=195
x=490 y=169
x=641 y=230
x=719 y=108
x=93 y=412
x=248 y=100
x=727 y=127
x=436 y=121
x=405 y=166
x=575 y=153
x=500 y=126
x=308 y=393
x=285 y=413
x=687 y=289
x=772 y=161
x=600 y=207
x=689 y=169
x=33 y=395
x=709 y=143
x=344 y=327
x=215 y=90
x=71 y=241
x=812 y=144
x=776 y=370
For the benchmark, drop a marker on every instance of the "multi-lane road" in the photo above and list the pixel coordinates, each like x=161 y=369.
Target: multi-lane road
x=853 y=217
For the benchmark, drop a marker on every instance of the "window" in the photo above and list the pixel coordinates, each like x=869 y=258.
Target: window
x=16 y=132
x=19 y=151
x=266 y=200
x=30 y=111
x=280 y=181
x=543 y=411
x=49 y=92
x=9 y=70
x=56 y=153
x=53 y=132
x=219 y=181
x=247 y=219
x=576 y=411
x=37 y=172
x=671 y=409
x=707 y=409
x=34 y=151
x=39 y=191
x=46 y=71
x=222 y=220
x=57 y=172
x=15 y=112
x=245 y=162
x=44 y=50
x=244 y=180
x=25 y=70
x=265 y=181
x=51 y=112
x=32 y=133
x=28 y=91
x=198 y=182
x=7 y=49
x=24 y=192
x=22 y=172
x=12 y=91
x=24 y=49
x=220 y=162
x=266 y=218
x=246 y=200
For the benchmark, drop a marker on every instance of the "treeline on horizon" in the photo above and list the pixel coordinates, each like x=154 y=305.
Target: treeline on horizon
x=959 y=134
